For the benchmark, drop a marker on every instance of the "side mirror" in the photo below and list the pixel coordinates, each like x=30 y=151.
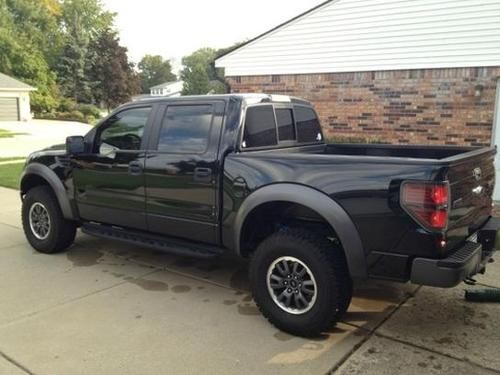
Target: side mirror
x=75 y=145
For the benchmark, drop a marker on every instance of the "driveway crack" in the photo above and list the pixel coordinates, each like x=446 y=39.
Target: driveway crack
x=371 y=332
x=16 y=363
x=430 y=350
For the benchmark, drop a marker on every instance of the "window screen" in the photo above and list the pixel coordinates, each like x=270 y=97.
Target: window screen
x=185 y=129
x=286 y=131
x=260 y=127
x=308 y=126
x=123 y=131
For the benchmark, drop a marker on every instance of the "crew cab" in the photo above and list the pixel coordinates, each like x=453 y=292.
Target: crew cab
x=252 y=174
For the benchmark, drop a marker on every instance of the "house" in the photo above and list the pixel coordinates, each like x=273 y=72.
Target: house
x=14 y=99
x=419 y=72
x=169 y=89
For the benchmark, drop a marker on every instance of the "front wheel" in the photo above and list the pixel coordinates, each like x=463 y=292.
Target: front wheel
x=300 y=281
x=44 y=225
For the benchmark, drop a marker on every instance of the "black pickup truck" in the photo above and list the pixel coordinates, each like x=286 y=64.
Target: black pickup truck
x=252 y=174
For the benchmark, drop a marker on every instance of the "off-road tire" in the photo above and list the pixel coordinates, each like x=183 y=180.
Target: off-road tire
x=328 y=266
x=62 y=232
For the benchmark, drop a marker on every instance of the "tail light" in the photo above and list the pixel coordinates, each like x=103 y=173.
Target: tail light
x=427 y=203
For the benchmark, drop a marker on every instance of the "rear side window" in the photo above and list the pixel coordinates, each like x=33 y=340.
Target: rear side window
x=286 y=130
x=260 y=127
x=185 y=129
x=308 y=126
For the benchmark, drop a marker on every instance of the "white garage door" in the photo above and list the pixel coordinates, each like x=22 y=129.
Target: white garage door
x=9 y=109
x=496 y=127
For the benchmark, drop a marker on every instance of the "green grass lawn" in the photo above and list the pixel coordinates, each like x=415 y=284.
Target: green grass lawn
x=8 y=134
x=10 y=175
x=13 y=158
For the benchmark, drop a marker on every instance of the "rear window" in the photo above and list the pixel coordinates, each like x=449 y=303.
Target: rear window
x=185 y=129
x=286 y=130
x=308 y=127
x=260 y=127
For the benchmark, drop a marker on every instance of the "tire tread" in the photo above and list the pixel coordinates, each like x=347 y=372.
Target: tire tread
x=336 y=269
x=64 y=230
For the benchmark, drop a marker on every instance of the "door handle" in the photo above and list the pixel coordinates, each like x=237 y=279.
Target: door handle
x=240 y=187
x=239 y=183
x=135 y=168
x=202 y=174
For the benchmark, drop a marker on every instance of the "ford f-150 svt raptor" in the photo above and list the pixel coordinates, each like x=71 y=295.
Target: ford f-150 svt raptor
x=252 y=174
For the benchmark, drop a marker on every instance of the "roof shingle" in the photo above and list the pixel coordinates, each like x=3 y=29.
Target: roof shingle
x=10 y=83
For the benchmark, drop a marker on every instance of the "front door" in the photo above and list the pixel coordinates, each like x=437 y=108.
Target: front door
x=109 y=182
x=182 y=169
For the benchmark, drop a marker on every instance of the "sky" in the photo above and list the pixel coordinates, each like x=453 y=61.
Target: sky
x=176 y=28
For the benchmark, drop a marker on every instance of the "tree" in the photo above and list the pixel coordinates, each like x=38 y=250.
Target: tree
x=28 y=34
x=196 y=80
x=199 y=75
x=114 y=76
x=193 y=78
x=154 y=70
x=83 y=22
x=71 y=67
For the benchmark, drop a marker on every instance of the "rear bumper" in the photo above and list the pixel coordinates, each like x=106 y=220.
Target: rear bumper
x=467 y=261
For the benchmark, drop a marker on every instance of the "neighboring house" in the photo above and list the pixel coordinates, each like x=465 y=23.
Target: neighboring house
x=168 y=89
x=420 y=72
x=14 y=99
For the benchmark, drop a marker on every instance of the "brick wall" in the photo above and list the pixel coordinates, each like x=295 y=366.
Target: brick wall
x=433 y=106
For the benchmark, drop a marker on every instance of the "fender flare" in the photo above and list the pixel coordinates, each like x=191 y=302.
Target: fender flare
x=55 y=183
x=321 y=203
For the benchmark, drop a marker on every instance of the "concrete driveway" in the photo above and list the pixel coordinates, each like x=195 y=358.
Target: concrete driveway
x=109 y=308
x=39 y=134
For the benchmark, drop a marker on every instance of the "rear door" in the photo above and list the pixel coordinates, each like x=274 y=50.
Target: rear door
x=182 y=171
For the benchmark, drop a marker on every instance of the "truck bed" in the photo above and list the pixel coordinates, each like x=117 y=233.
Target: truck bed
x=365 y=180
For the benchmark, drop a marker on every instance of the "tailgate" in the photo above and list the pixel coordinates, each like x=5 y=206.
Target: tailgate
x=472 y=180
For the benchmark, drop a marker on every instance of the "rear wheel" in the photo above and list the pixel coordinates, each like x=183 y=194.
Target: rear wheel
x=44 y=225
x=300 y=282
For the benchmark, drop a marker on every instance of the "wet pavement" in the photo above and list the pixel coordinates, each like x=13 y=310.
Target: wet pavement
x=112 y=308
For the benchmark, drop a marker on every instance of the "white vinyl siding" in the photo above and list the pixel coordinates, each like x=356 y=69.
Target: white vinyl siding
x=374 y=35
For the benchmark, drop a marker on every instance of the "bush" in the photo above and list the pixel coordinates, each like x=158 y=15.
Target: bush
x=63 y=116
x=68 y=110
x=91 y=120
x=46 y=116
x=89 y=110
x=66 y=105
x=72 y=116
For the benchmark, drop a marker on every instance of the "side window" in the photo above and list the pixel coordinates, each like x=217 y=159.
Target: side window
x=186 y=129
x=286 y=131
x=260 y=127
x=308 y=126
x=123 y=131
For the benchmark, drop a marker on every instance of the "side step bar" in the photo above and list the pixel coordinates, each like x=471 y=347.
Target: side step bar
x=168 y=245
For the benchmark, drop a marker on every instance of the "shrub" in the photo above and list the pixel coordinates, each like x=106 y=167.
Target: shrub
x=68 y=110
x=89 y=110
x=46 y=116
x=66 y=105
x=91 y=120
x=71 y=116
